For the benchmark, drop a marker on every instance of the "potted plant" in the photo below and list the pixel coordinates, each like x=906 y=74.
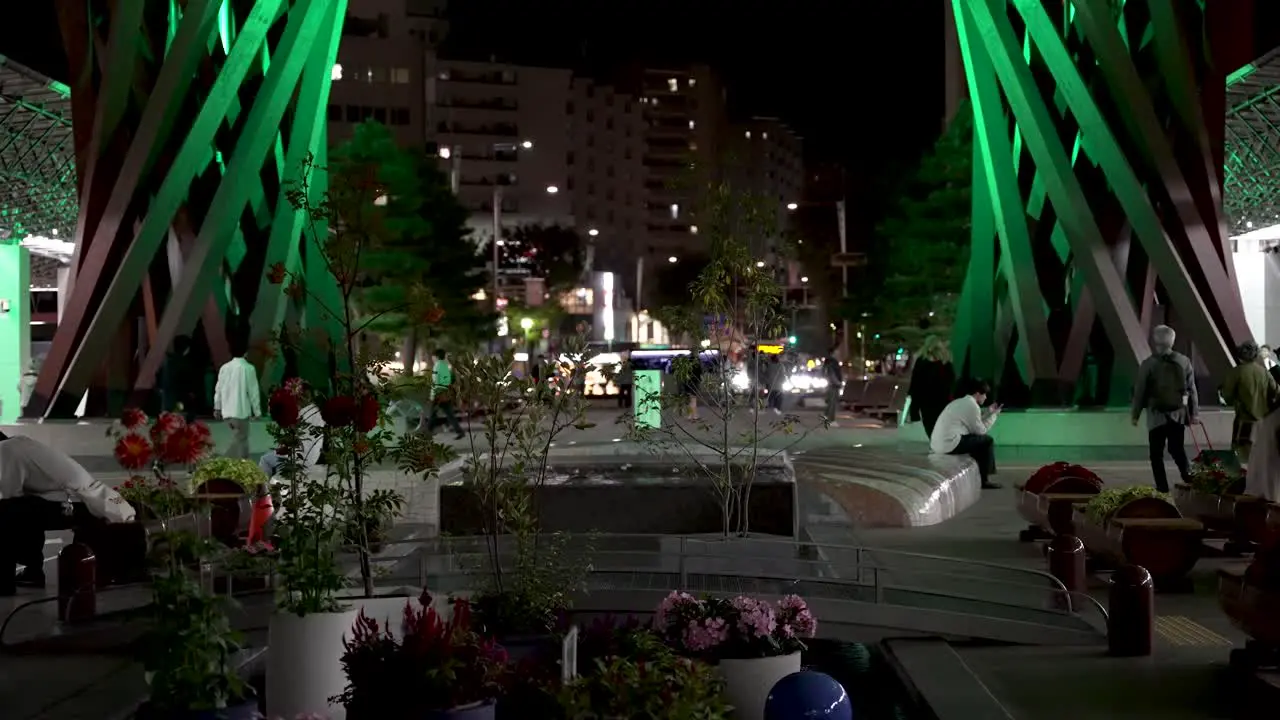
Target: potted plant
x=328 y=515
x=1106 y=503
x=754 y=643
x=188 y=652
x=432 y=668
x=631 y=674
x=244 y=473
x=527 y=578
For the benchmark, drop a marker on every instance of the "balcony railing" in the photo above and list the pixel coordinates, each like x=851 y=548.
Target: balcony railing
x=499 y=156
x=497 y=77
x=496 y=129
x=485 y=104
x=490 y=181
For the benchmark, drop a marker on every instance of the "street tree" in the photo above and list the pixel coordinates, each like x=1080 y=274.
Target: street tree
x=423 y=243
x=915 y=280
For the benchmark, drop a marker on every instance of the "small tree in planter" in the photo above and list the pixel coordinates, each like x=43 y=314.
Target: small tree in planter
x=740 y=294
x=754 y=643
x=188 y=651
x=325 y=512
x=525 y=586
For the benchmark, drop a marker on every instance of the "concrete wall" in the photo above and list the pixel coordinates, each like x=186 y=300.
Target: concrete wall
x=642 y=507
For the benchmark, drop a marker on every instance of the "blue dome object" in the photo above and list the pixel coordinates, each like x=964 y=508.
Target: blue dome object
x=808 y=695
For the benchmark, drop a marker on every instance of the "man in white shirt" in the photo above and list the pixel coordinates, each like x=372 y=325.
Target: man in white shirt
x=237 y=400
x=962 y=428
x=42 y=489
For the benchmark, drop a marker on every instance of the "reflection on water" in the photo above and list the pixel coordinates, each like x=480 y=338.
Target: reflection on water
x=872 y=686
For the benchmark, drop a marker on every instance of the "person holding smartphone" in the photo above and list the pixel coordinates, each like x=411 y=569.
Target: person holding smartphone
x=962 y=427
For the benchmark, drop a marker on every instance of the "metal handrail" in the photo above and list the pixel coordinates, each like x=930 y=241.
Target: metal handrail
x=861 y=563
x=857 y=549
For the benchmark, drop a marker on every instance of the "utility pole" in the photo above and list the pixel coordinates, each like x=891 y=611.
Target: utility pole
x=844 y=278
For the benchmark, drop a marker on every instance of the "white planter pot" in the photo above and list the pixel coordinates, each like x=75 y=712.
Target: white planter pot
x=304 y=656
x=748 y=682
x=304 y=663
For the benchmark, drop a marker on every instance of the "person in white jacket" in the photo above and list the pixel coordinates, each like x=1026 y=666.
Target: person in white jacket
x=42 y=489
x=962 y=428
x=237 y=400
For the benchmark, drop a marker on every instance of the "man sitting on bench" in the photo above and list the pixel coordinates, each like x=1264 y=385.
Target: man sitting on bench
x=44 y=489
x=961 y=429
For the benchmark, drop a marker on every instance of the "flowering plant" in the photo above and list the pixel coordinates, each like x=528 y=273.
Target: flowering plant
x=431 y=664
x=187 y=652
x=743 y=627
x=1211 y=476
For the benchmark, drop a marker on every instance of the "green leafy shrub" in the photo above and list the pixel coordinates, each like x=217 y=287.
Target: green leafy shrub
x=244 y=473
x=1106 y=503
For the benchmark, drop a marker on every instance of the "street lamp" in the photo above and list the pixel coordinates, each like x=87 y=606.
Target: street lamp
x=526 y=324
x=760 y=263
x=552 y=189
x=792 y=206
x=804 y=279
x=527 y=144
x=673 y=259
x=445 y=153
x=593 y=232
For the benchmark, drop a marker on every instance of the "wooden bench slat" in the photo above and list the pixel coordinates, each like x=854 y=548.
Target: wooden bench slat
x=1159 y=523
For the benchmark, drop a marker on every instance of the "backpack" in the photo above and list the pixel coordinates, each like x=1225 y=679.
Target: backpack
x=1168 y=385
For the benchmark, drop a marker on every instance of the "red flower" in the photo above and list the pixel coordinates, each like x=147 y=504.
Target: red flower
x=434 y=315
x=276 y=273
x=368 y=413
x=338 y=411
x=133 y=452
x=165 y=425
x=283 y=407
x=131 y=418
x=183 y=447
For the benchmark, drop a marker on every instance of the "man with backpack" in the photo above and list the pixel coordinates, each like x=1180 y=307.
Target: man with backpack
x=1166 y=389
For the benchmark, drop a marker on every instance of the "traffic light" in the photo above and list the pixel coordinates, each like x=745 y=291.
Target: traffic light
x=792 y=339
x=877 y=336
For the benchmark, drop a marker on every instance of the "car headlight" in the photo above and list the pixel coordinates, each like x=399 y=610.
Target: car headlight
x=820 y=384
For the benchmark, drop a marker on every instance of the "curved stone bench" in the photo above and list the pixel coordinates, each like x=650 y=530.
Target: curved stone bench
x=880 y=488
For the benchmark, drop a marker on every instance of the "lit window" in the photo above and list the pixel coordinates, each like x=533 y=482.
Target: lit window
x=692 y=124
x=673 y=85
x=675 y=210
x=368 y=75
x=693 y=229
x=400 y=76
x=764 y=136
x=336 y=74
x=747 y=134
x=693 y=81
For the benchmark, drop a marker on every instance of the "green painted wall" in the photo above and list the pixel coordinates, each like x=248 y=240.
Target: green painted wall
x=15 y=327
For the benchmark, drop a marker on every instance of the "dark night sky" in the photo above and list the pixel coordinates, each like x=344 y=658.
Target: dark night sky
x=860 y=79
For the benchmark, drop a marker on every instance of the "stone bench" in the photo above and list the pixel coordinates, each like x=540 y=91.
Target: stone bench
x=891 y=489
x=1047 y=500
x=1149 y=532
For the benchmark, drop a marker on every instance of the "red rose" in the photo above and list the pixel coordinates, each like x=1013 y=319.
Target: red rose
x=283 y=408
x=131 y=418
x=133 y=452
x=338 y=411
x=276 y=273
x=368 y=414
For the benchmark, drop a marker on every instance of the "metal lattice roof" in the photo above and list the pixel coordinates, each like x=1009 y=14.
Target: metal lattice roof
x=1251 y=195
x=37 y=164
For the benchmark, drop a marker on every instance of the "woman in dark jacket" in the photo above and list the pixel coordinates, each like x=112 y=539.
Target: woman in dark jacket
x=933 y=380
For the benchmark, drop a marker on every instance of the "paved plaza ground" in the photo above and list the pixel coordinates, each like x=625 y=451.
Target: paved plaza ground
x=1185 y=679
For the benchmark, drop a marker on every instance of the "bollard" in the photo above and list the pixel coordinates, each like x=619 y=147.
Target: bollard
x=1131 y=625
x=77 y=583
x=1067 y=563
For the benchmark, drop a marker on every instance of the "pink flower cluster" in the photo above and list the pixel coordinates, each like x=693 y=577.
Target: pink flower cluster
x=741 y=627
x=794 y=618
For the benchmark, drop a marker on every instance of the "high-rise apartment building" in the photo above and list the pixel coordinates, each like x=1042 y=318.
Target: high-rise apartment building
x=684 y=109
x=505 y=130
x=765 y=163
x=385 y=59
x=607 y=172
